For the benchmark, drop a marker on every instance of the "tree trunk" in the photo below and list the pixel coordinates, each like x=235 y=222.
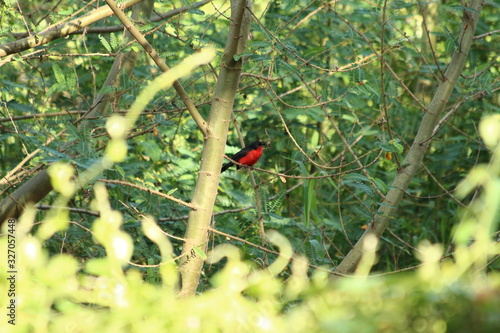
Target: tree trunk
x=411 y=164
x=196 y=237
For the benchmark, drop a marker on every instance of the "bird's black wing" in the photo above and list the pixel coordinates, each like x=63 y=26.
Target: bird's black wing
x=242 y=153
x=236 y=157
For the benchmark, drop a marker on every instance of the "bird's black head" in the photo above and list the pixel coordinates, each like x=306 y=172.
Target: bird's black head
x=256 y=144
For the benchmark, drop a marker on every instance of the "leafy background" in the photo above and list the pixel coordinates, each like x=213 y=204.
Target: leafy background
x=312 y=86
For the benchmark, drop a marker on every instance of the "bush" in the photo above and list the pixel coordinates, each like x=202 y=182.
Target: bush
x=443 y=294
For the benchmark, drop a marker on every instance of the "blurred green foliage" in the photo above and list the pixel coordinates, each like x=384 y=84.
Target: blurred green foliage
x=310 y=80
x=59 y=293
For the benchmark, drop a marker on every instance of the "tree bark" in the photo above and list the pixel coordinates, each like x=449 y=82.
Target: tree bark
x=60 y=30
x=205 y=192
x=33 y=190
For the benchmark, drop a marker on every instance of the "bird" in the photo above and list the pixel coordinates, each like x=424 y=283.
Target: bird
x=247 y=156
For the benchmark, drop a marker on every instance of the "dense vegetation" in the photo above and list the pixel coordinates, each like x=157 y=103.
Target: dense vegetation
x=368 y=152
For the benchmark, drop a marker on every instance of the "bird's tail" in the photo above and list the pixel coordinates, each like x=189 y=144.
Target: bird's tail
x=226 y=166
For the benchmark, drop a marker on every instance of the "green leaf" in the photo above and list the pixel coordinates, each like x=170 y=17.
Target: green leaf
x=392 y=146
x=105 y=43
x=55 y=88
x=147 y=27
x=363 y=187
x=350 y=117
x=355 y=177
x=114 y=41
x=152 y=149
x=71 y=81
x=399 y=147
x=260 y=44
x=196 y=11
x=381 y=185
x=119 y=169
x=279 y=220
x=172 y=191
x=59 y=74
x=370 y=88
x=200 y=253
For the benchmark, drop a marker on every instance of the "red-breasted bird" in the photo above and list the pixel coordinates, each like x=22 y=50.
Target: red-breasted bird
x=247 y=156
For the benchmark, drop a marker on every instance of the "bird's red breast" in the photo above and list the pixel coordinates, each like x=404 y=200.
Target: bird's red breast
x=252 y=157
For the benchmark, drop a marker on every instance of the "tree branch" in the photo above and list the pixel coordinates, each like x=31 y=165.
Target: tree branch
x=39 y=186
x=118 y=28
x=60 y=30
x=213 y=150
x=163 y=66
x=411 y=164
